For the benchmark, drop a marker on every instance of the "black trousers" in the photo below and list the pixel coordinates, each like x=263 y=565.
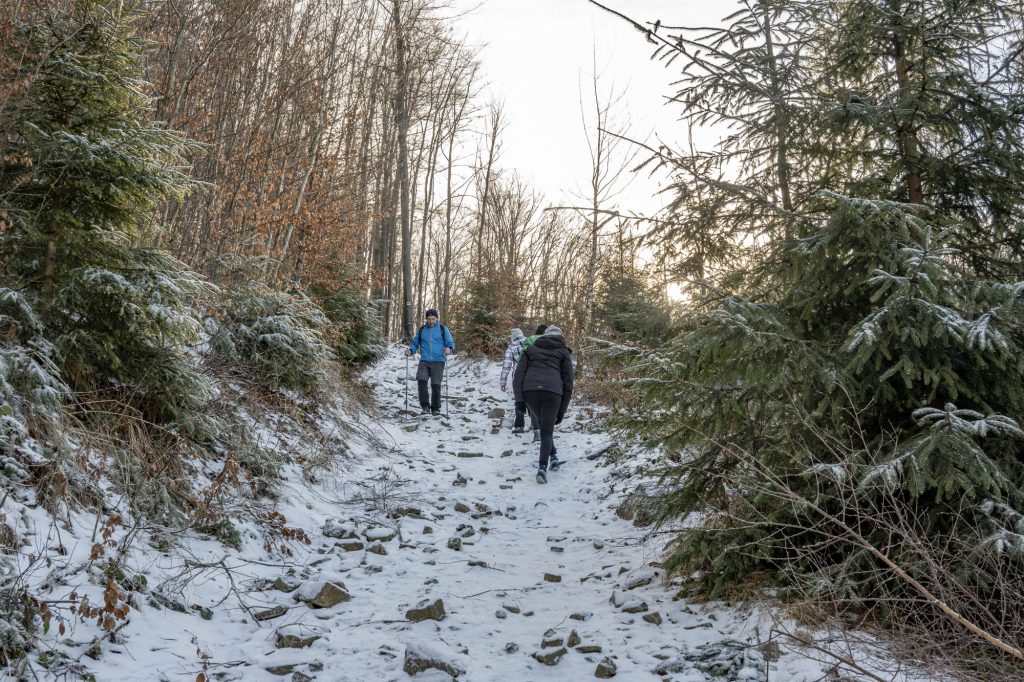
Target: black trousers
x=432 y=371
x=521 y=417
x=544 y=404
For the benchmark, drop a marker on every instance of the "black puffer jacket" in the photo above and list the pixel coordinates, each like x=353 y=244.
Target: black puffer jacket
x=546 y=366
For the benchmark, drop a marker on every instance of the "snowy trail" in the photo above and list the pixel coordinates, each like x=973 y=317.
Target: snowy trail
x=474 y=530
x=513 y=533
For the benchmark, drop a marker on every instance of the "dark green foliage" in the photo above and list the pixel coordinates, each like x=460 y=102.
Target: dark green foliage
x=889 y=363
x=84 y=173
x=864 y=354
x=273 y=337
x=628 y=309
x=18 y=614
x=491 y=308
x=481 y=326
x=354 y=334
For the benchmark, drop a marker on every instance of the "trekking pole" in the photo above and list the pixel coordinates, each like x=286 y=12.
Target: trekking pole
x=446 y=393
x=406 y=385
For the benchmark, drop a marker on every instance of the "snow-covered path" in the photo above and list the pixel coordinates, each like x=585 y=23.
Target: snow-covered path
x=442 y=509
x=475 y=490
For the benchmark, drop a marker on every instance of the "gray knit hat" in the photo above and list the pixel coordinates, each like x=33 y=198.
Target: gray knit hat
x=517 y=333
x=552 y=330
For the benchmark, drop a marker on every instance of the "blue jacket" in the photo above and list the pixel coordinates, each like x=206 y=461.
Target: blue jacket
x=431 y=342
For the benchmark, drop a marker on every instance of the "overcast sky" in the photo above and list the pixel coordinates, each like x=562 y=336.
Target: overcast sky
x=536 y=55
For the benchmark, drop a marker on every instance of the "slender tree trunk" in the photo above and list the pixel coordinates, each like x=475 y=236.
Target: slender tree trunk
x=781 y=122
x=488 y=170
x=447 y=287
x=909 y=145
x=402 y=130
x=906 y=133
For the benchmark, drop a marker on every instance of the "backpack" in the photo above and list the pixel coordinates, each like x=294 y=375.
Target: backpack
x=444 y=331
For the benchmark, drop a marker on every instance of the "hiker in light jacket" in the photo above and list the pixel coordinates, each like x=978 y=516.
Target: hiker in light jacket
x=544 y=376
x=434 y=343
x=518 y=396
x=508 y=364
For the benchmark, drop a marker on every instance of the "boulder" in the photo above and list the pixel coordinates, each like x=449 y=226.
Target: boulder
x=729 y=658
x=269 y=614
x=635 y=606
x=606 y=669
x=287 y=583
x=552 y=578
x=552 y=642
x=423 y=656
x=281 y=669
x=628 y=604
x=411 y=512
x=339 y=531
x=641 y=578
x=323 y=594
x=551 y=657
x=294 y=638
x=380 y=534
x=427 y=610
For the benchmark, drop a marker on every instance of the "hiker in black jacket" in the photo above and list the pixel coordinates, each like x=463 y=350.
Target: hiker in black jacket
x=517 y=393
x=544 y=377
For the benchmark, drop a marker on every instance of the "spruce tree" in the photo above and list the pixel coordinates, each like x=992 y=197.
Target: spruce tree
x=84 y=172
x=877 y=307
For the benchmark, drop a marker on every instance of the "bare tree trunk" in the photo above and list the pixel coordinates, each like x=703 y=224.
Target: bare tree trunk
x=402 y=130
x=492 y=148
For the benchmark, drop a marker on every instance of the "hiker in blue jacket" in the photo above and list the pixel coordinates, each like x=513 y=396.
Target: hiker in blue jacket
x=434 y=343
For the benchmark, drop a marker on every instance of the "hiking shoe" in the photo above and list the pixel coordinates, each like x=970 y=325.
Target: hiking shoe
x=517 y=430
x=425 y=410
x=542 y=476
x=536 y=435
x=435 y=412
x=553 y=463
